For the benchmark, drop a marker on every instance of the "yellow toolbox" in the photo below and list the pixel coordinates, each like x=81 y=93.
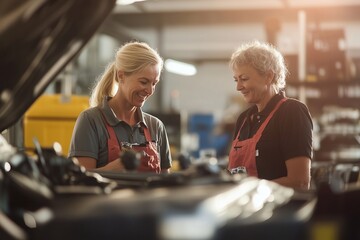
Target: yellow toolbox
x=51 y=119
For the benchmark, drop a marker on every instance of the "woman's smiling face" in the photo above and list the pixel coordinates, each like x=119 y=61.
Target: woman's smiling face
x=138 y=87
x=253 y=86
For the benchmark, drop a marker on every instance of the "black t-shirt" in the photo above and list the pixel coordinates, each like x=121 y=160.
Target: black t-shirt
x=287 y=135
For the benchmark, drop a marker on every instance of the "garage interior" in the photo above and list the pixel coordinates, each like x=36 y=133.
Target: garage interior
x=321 y=44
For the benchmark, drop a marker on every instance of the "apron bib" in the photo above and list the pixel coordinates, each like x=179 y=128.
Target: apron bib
x=242 y=156
x=150 y=159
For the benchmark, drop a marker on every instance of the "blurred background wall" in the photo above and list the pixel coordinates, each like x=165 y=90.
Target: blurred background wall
x=319 y=39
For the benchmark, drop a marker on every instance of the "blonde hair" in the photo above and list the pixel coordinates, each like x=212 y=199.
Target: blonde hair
x=131 y=57
x=263 y=57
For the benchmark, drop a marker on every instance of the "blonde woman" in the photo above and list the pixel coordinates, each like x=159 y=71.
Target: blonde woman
x=116 y=120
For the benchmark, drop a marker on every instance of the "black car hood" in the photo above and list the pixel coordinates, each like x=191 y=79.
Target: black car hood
x=37 y=39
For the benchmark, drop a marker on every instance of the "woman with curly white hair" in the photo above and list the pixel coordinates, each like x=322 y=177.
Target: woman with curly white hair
x=273 y=137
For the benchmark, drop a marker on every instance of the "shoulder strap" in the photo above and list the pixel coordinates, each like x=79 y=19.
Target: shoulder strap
x=267 y=120
x=109 y=128
x=114 y=147
x=147 y=134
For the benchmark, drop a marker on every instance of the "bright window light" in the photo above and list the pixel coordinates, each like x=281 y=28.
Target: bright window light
x=180 y=68
x=127 y=2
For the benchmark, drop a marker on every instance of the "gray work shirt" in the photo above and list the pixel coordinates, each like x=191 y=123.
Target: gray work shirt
x=89 y=138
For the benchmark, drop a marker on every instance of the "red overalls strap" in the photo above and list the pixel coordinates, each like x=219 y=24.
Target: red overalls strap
x=242 y=156
x=150 y=160
x=114 y=148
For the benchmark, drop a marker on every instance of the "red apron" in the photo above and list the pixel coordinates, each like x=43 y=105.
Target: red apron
x=242 y=156
x=150 y=160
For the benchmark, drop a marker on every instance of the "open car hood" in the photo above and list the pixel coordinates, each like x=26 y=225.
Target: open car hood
x=37 y=39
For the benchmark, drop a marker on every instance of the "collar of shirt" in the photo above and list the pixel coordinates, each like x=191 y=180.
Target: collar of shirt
x=254 y=115
x=111 y=117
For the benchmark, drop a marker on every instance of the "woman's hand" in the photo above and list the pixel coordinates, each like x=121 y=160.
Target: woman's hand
x=90 y=164
x=115 y=165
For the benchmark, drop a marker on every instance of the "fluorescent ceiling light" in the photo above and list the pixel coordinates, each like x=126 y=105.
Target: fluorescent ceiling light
x=127 y=2
x=180 y=68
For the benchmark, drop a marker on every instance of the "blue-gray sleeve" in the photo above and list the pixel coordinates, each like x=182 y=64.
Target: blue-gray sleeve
x=165 y=154
x=84 y=140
